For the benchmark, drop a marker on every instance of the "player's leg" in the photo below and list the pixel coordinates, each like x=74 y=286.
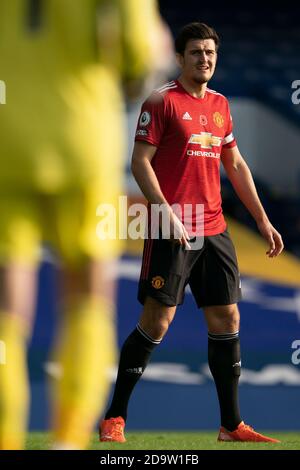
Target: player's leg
x=18 y=277
x=85 y=346
x=85 y=350
x=161 y=288
x=136 y=353
x=16 y=316
x=218 y=291
x=215 y=284
x=224 y=359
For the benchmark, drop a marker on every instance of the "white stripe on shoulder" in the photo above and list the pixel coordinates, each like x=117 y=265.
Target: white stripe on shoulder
x=165 y=85
x=167 y=89
x=214 y=92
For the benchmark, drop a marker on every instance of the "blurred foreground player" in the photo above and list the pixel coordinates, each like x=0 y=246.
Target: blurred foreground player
x=62 y=141
x=184 y=132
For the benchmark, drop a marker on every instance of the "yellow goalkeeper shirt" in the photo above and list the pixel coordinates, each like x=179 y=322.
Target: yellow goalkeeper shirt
x=62 y=62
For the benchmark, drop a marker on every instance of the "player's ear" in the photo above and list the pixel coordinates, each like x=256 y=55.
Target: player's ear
x=179 y=59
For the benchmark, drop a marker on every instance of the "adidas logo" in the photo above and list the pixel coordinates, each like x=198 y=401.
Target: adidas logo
x=187 y=117
x=135 y=370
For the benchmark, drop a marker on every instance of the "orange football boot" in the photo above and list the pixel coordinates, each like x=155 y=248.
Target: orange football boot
x=243 y=433
x=112 y=430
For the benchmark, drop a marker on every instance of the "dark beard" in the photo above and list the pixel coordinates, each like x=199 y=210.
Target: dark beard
x=200 y=81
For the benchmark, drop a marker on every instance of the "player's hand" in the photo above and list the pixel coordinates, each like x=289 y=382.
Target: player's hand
x=273 y=238
x=178 y=232
x=171 y=226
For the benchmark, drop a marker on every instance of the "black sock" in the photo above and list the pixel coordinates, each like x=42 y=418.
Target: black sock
x=135 y=355
x=224 y=361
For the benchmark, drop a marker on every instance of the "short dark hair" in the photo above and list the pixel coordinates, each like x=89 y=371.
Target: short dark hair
x=195 y=30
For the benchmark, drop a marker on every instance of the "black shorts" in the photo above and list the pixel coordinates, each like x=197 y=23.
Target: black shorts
x=212 y=272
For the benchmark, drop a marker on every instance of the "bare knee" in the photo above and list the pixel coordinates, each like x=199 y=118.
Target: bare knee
x=18 y=291
x=156 y=318
x=95 y=279
x=222 y=318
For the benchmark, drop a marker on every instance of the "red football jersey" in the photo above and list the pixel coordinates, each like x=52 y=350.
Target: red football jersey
x=189 y=134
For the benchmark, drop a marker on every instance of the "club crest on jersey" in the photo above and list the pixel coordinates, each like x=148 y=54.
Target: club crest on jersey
x=218 y=119
x=158 y=282
x=145 y=119
x=206 y=140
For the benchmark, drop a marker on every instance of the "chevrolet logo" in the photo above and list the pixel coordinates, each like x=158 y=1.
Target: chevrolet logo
x=206 y=140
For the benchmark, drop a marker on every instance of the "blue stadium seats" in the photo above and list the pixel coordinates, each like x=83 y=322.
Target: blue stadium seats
x=260 y=48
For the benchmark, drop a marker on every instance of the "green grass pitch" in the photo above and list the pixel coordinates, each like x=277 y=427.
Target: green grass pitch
x=174 y=441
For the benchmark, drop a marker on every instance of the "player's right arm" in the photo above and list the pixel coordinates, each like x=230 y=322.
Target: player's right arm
x=149 y=134
x=145 y=177
x=142 y=170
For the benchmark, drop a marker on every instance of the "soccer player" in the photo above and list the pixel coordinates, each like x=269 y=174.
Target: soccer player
x=184 y=132
x=62 y=140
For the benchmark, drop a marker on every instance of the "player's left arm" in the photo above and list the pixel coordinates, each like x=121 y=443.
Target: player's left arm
x=241 y=179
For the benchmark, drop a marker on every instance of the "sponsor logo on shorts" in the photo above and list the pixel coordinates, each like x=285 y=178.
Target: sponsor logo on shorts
x=158 y=282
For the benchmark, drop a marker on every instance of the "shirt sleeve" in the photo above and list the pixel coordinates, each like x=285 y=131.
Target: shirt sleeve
x=151 y=122
x=229 y=140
